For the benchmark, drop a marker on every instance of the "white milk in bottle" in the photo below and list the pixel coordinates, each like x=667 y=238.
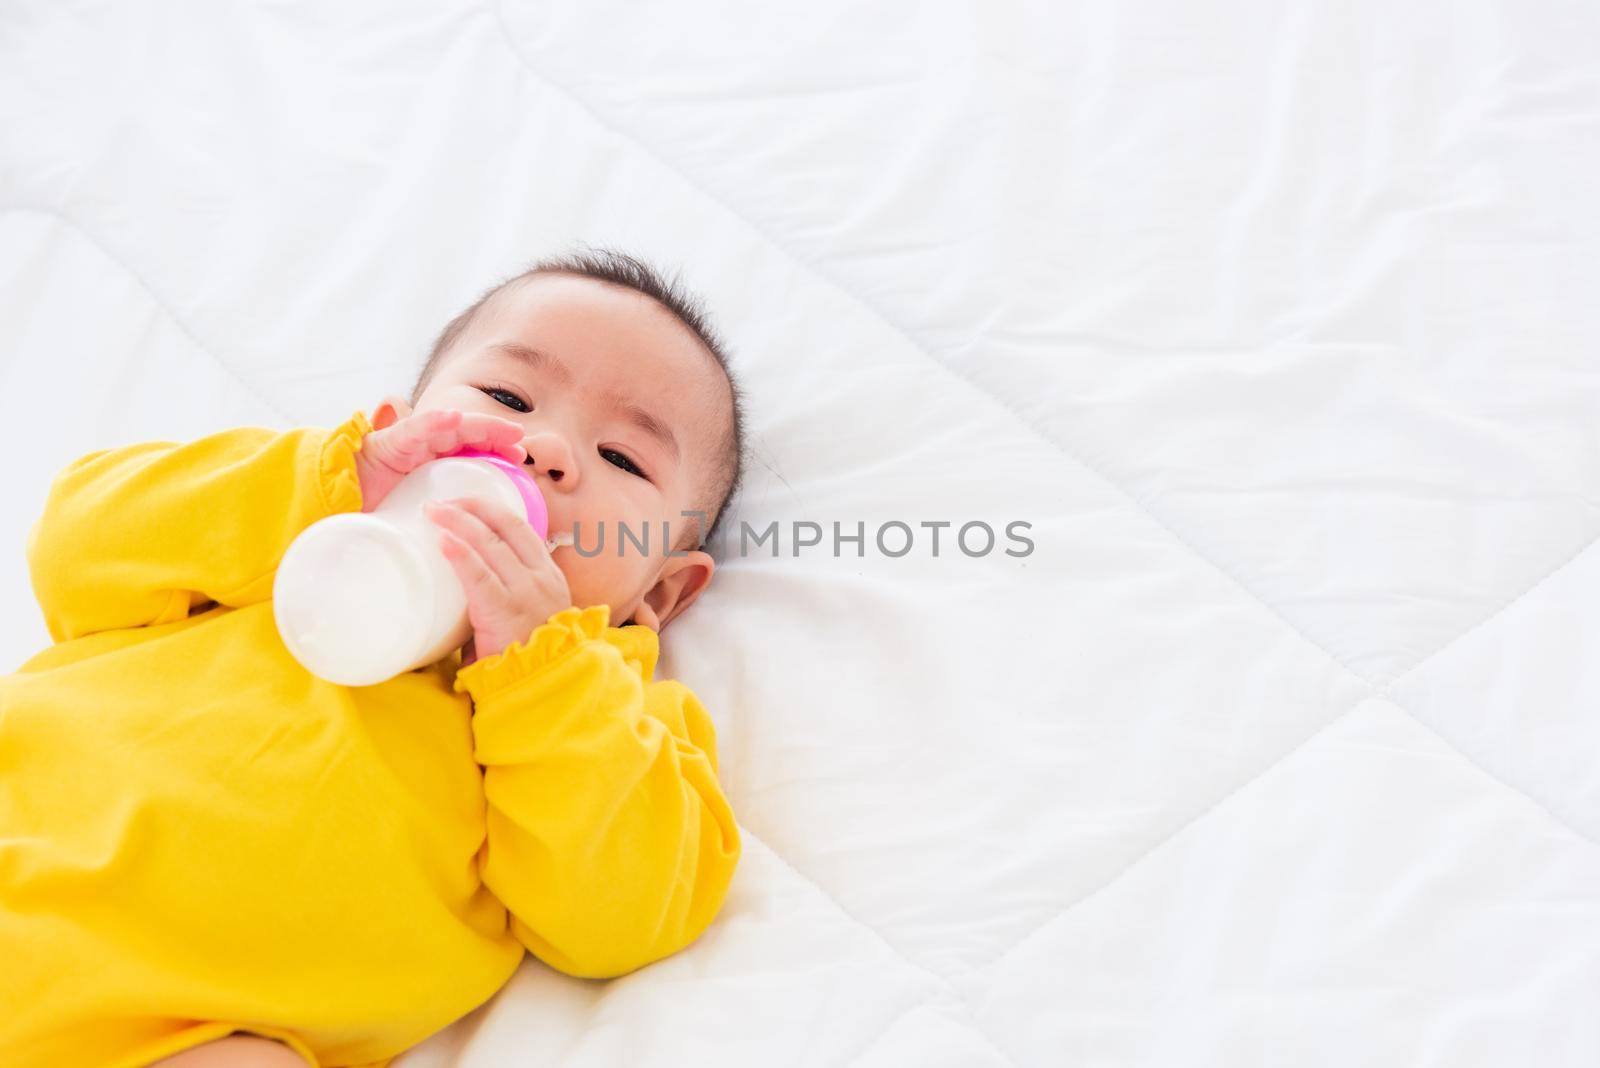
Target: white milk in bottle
x=362 y=597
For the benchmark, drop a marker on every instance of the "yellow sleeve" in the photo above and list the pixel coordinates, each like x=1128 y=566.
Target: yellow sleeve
x=610 y=840
x=140 y=534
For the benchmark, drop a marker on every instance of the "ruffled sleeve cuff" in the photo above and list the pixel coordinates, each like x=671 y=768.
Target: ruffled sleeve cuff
x=336 y=465
x=550 y=641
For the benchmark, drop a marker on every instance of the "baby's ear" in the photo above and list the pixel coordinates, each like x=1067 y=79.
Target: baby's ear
x=681 y=581
x=389 y=411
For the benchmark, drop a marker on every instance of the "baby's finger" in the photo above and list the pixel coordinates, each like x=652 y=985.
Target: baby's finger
x=492 y=434
x=475 y=574
x=475 y=532
x=446 y=437
x=443 y=431
x=511 y=528
x=418 y=438
x=411 y=439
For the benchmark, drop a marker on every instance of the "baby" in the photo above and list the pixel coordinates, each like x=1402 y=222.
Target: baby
x=209 y=856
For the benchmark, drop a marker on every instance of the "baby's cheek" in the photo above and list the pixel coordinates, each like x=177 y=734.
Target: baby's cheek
x=603 y=578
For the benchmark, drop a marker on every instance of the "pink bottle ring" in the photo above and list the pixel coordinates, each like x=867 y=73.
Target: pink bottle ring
x=532 y=499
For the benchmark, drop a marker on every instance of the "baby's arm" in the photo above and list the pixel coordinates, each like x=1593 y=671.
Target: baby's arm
x=141 y=534
x=609 y=837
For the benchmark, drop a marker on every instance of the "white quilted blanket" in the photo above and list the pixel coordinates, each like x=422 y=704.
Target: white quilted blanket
x=1276 y=321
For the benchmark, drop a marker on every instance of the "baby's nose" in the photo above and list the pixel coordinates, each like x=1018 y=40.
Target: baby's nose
x=549 y=454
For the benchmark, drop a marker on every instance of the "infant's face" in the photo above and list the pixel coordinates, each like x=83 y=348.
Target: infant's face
x=565 y=356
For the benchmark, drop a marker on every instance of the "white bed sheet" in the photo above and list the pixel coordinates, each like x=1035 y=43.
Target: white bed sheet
x=1275 y=320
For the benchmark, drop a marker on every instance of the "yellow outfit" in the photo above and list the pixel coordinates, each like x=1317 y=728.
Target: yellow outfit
x=198 y=836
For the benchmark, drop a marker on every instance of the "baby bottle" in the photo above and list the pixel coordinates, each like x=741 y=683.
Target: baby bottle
x=360 y=598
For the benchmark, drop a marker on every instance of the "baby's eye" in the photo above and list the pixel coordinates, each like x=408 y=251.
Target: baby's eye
x=514 y=403
x=623 y=462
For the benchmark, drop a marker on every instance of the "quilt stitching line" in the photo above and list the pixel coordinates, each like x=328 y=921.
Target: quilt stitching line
x=1455 y=749
x=1374 y=686
x=960 y=1003
x=1128 y=868
x=1473 y=762
x=150 y=291
x=1512 y=603
x=972 y=1027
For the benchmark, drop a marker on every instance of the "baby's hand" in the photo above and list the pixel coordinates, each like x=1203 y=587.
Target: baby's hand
x=390 y=454
x=512 y=584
